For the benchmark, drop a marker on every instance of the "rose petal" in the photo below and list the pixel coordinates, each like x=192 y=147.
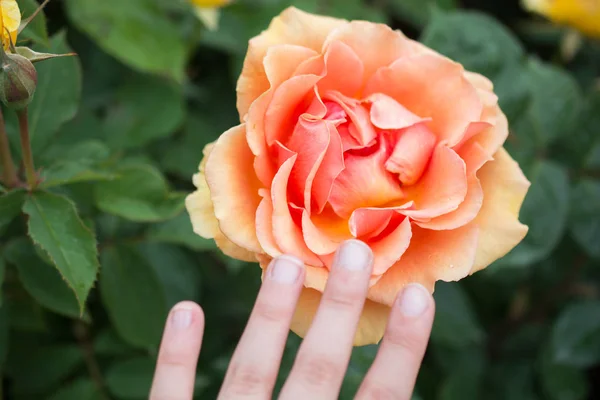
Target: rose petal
x=465 y=213
x=367 y=222
x=430 y=85
x=377 y=45
x=264 y=225
x=411 y=153
x=442 y=187
x=474 y=156
x=360 y=128
x=388 y=250
x=323 y=234
x=281 y=61
x=292 y=26
x=504 y=189
x=364 y=183
x=431 y=256
x=235 y=200
x=288 y=235
x=331 y=167
x=371 y=325
x=387 y=113
x=344 y=70
x=200 y=207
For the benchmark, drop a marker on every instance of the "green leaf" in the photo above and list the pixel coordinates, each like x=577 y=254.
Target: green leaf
x=55 y=226
x=465 y=380
x=545 y=211
x=141 y=194
x=132 y=378
x=81 y=162
x=42 y=281
x=177 y=271
x=576 y=335
x=476 y=40
x=39 y=370
x=4 y=327
x=584 y=221
x=2 y=274
x=129 y=288
x=137 y=32
x=81 y=389
x=360 y=362
x=179 y=231
x=561 y=382
x=57 y=95
x=10 y=206
x=108 y=343
x=556 y=101
x=419 y=12
x=36 y=29
x=455 y=323
x=144 y=109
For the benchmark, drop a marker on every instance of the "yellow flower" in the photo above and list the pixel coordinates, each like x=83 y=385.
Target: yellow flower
x=9 y=21
x=581 y=14
x=208 y=11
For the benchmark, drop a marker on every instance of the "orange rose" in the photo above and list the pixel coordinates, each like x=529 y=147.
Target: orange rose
x=352 y=130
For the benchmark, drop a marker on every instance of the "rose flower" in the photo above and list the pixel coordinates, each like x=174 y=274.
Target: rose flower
x=352 y=130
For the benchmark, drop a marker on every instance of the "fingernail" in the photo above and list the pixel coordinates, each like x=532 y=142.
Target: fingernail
x=354 y=255
x=414 y=300
x=181 y=319
x=285 y=269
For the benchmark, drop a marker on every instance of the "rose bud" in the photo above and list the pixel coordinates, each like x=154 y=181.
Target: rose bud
x=352 y=130
x=18 y=80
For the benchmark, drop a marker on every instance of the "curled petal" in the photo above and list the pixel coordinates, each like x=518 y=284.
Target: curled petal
x=390 y=248
x=281 y=62
x=264 y=226
x=504 y=189
x=324 y=232
x=430 y=85
x=344 y=70
x=235 y=200
x=292 y=26
x=442 y=188
x=387 y=113
x=371 y=325
x=465 y=213
x=411 y=153
x=431 y=256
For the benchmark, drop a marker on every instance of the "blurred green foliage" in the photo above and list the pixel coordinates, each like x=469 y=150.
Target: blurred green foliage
x=119 y=131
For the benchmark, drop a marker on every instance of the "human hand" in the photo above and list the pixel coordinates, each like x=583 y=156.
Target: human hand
x=324 y=354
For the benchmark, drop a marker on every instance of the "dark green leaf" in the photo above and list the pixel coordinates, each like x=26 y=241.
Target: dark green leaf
x=55 y=226
x=132 y=378
x=108 y=343
x=81 y=389
x=545 y=211
x=576 y=335
x=178 y=272
x=144 y=109
x=36 y=29
x=561 y=382
x=556 y=101
x=584 y=221
x=10 y=206
x=41 y=280
x=476 y=40
x=419 y=12
x=4 y=326
x=36 y=371
x=465 y=379
x=140 y=194
x=130 y=288
x=137 y=32
x=179 y=231
x=57 y=95
x=455 y=323
x=360 y=362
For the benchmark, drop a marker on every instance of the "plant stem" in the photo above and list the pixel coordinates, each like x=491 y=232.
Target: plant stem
x=9 y=175
x=26 y=149
x=82 y=335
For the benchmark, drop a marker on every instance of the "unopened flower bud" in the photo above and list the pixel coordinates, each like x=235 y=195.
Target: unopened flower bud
x=18 y=80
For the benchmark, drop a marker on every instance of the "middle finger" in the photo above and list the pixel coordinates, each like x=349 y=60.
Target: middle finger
x=324 y=354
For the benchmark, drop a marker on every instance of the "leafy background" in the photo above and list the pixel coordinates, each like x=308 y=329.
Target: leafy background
x=119 y=132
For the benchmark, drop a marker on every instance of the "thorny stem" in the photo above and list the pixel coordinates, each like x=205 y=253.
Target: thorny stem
x=26 y=149
x=9 y=175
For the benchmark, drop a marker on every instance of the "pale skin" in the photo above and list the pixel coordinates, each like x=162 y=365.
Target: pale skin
x=324 y=354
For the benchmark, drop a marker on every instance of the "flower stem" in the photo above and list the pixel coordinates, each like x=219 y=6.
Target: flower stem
x=9 y=175
x=26 y=149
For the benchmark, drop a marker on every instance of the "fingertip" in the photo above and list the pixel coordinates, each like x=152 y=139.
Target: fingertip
x=414 y=301
x=185 y=314
x=354 y=255
x=286 y=269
